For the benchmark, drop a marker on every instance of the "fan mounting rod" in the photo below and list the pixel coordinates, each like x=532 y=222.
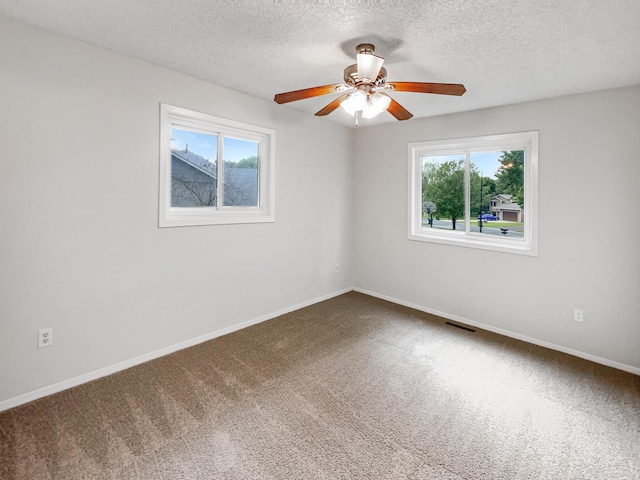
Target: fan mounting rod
x=369 y=48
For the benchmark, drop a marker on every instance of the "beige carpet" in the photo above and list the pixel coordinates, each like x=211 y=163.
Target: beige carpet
x=353 y=387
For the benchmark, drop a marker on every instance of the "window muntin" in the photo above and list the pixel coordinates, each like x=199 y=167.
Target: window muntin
x=196 y=187
x=458 y=187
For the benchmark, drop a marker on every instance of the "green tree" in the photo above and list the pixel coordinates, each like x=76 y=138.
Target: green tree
x=510 y=175
x=443 y=184
x=250 y=162
x=428 y=178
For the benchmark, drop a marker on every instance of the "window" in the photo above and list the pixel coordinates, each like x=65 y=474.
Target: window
x=477 y=192
x=213 y=170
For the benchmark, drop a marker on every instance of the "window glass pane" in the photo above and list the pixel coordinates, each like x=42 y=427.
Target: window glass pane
x=193 y=169
x=443 y=191
x=241 y=173
x=497 y=193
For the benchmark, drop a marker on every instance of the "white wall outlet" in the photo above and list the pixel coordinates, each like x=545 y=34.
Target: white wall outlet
x=337 y=267
x=45 y=337
x=578 y=315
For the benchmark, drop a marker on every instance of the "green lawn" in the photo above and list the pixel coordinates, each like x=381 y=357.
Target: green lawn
x=497 y=224
x=485 y=223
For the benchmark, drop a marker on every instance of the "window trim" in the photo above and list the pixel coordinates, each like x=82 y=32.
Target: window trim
x=178 y=117
x=527 y=141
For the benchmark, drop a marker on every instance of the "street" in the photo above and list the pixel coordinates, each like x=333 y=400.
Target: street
x=515 y=231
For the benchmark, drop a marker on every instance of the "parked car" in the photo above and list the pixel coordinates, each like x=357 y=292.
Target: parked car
x=487 y=217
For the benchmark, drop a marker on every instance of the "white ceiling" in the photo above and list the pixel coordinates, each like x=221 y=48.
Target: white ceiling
x=503 y=51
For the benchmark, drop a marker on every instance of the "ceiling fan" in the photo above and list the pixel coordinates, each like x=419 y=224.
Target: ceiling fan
x=364 y=89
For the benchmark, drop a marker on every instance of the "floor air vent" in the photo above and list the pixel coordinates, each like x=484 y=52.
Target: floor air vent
x=461 y=327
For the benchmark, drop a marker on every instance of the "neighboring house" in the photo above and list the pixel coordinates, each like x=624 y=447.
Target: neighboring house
x=503 y=207
x=241 y=187
x=194 y=182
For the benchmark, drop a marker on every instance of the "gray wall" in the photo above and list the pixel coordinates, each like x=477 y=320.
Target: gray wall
x=589 y=174
x=80 y=247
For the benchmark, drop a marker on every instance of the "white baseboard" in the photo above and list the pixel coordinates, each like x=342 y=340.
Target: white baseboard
x=506 y=333
x=103 y=372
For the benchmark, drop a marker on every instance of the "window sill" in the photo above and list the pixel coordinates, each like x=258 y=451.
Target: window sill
x=478 y=241
x=183 y=218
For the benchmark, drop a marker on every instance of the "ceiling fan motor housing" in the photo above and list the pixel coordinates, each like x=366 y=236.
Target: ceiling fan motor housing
x=352 y=79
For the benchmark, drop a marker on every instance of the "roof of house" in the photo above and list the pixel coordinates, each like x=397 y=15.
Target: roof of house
x=240 y=176
x=196 y=161
x=509 y=206
x=506 y=196
x=241 y=184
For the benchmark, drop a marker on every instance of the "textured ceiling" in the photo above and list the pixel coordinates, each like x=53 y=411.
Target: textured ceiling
x=503 y=51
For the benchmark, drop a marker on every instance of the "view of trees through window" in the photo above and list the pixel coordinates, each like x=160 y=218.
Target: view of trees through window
x=195 y=170
x=494 y=193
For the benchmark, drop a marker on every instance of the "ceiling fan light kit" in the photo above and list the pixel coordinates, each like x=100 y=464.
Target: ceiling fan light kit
x=361 y=97
x=368 y=106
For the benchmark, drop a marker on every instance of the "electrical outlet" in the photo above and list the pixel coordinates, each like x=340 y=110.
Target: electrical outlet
x=578 y=315
x=337 y=267
x=45 y=337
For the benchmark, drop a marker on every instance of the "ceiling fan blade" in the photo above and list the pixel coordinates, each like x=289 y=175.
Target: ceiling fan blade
x=397 y=110
x=307 y=93
x=421 y=87
x=332 y=106
x=369 y=66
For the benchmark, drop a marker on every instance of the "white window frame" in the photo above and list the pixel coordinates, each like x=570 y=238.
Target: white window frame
x=527 y=141
x=177 y=117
